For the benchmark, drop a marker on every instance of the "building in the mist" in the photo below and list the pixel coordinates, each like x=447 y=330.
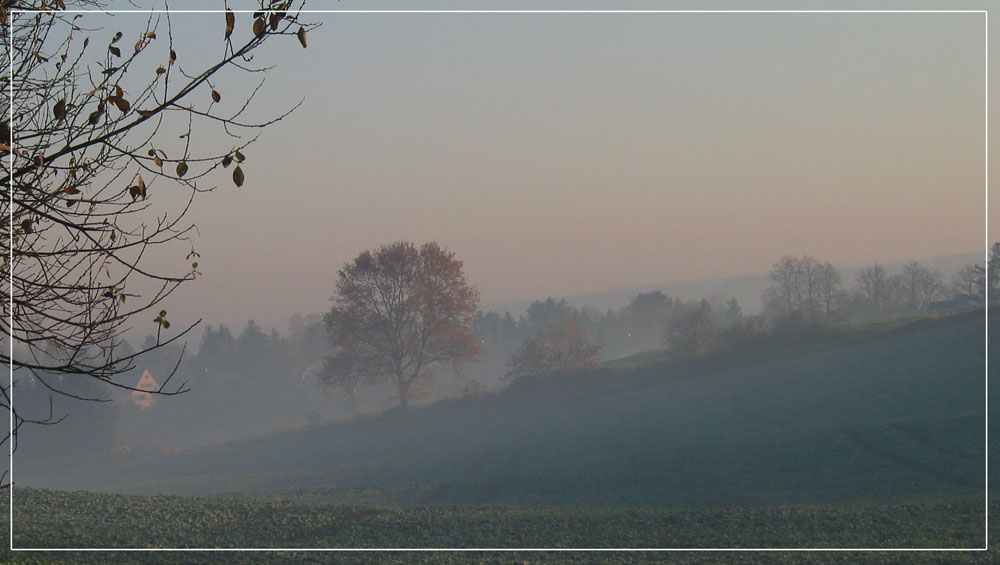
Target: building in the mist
x=146 y=382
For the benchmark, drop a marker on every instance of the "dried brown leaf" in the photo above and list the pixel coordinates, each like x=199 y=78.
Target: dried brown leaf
x=122 y=104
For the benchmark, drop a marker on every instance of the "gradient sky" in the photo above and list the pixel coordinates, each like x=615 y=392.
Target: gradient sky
x=558 y=154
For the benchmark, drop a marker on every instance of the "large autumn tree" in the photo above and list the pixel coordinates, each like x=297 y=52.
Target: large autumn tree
x=400 y=315
x=117 y=122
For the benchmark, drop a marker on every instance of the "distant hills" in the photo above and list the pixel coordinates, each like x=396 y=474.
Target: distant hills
x=746 y=289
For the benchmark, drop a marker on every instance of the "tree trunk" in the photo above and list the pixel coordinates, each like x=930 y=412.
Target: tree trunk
x=404 y=394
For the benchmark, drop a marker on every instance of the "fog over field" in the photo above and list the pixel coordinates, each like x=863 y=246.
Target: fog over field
x=560 y=277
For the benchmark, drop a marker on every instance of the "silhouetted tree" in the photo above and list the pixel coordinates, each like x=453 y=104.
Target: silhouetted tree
x=875 y=287
x=784 y=290
x=555 y=348
x=509 y=327
x=691 y=330
x=919 y=286
x=747 y=328
x=993 y=272
x=733 y=314
x=217 y=348
x=970 y=280
x=829 y=287
x=399 y=314
x=795 y=283
x=253 y=350
x=542 y=313
x=641 y=321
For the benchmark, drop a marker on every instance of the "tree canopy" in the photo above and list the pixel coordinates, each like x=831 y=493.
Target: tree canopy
x=400 y=314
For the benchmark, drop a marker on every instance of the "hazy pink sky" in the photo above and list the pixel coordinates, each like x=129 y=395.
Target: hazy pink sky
x=563 y=153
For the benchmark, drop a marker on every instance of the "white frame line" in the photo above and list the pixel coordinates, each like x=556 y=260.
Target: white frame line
x=986 y=273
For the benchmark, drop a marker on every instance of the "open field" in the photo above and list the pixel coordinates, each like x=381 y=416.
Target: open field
x=58 y=519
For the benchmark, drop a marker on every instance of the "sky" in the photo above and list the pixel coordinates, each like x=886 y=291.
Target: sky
x=559 y=154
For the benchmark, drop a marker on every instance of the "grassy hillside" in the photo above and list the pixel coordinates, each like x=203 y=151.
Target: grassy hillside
x=888 y=416
x=871 y=437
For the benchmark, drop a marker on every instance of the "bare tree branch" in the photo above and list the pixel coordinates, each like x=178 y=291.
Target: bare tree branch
x=94 y=116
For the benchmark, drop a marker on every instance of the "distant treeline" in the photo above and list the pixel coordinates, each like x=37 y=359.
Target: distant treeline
x=803 y=295
x=241 y=384
x=252 y=381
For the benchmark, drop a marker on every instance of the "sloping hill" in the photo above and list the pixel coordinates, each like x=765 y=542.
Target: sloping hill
x=893 y=416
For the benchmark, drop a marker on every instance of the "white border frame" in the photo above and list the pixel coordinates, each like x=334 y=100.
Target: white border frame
x=10 y=188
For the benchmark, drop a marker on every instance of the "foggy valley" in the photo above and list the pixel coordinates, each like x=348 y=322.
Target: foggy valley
x=377 y=283
x=233 y=372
